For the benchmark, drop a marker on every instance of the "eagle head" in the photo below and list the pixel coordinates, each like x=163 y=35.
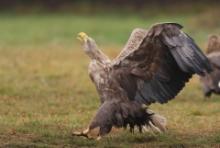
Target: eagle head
x=89 y=45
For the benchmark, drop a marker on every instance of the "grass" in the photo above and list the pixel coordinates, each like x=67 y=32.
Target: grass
x=45 y=91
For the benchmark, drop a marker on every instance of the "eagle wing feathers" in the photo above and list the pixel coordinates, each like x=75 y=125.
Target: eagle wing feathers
x=156 y=70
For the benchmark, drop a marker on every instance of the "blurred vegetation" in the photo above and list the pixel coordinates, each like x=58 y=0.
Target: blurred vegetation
x=45 y=91
x=113 y=28
x=97 y=6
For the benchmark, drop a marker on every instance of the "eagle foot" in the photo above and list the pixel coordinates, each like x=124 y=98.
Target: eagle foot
x=85 y=134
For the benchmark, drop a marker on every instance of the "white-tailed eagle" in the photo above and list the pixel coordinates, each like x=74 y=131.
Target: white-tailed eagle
x=153 y=67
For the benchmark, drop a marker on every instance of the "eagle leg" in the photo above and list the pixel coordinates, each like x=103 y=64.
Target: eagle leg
x=102 y=131
x=85 y=134
x=105 y=129
x=104 y=120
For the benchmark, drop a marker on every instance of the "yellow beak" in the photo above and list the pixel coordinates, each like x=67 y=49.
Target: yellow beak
x=83 y=37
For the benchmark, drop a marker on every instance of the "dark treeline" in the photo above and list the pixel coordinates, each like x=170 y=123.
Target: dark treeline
x=59 y=4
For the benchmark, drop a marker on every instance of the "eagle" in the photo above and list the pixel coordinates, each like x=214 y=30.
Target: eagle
x=211 y=81
x=153 y=67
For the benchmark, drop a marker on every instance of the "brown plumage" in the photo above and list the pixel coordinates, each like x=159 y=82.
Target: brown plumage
x=211 y=81
x=153 y=67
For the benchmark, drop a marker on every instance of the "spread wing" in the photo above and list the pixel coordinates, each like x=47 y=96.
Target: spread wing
x=159 y=65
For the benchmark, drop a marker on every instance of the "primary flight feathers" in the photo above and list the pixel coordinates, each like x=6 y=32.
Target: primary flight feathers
x=158 y=63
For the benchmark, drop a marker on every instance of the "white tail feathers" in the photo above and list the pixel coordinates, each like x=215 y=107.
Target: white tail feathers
x=159 y=121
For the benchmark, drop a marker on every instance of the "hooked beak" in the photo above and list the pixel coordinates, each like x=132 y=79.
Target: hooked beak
x=82 y=37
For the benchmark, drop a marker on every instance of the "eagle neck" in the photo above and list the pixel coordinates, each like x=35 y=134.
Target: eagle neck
x=99 y=56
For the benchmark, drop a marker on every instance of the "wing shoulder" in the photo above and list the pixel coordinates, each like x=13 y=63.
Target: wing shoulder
x=133 y=43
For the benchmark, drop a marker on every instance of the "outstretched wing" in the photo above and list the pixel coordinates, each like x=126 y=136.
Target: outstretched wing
x=159 y=65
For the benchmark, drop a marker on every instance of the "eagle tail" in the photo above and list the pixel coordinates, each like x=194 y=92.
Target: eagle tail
x=157 y=122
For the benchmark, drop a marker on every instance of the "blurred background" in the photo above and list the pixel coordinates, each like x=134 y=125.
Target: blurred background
x=56 y=21
x=45 y=91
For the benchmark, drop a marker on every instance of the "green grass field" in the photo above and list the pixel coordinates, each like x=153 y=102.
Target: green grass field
x=45 y=91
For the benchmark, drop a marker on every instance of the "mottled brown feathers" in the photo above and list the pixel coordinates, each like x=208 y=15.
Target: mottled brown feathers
x=135 y=39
